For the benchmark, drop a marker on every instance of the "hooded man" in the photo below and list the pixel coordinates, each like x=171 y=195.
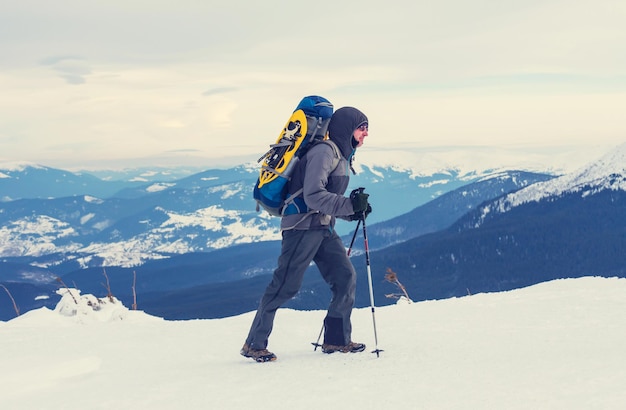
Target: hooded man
x=319 y=181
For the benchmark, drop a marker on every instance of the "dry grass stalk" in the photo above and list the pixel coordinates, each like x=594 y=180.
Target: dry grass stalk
x=66 y=288
x=392 y=277
x=107 y=286
x=134 y=291
x=17 y=309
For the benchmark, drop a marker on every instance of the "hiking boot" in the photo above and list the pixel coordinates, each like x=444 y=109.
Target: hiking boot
x=349 y=348
x=259 y=355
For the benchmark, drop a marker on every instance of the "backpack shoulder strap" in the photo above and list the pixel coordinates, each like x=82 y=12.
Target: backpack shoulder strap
x=336 y=151
x=291 y=198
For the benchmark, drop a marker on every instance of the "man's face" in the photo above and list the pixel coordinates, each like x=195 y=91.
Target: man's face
x=360 y=134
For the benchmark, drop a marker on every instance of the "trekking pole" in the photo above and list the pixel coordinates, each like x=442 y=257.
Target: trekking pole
x=356 y=230
x=317 y=344
x=354 y=237
x=369 y=281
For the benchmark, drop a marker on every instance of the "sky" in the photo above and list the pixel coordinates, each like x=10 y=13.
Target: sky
x=556 y=345
x=114 y=84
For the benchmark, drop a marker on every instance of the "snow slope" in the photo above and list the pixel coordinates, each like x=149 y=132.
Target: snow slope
x=557 y=345
x=609 y=172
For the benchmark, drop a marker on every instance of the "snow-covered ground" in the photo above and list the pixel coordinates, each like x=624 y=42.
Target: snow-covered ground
x=557 y=345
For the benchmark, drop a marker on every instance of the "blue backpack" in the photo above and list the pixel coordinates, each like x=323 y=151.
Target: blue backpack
x=308 y=123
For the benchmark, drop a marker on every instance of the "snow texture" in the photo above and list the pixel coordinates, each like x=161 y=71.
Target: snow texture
x=556 y=345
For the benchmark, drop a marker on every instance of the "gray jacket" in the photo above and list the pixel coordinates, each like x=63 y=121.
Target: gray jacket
x=323 y=188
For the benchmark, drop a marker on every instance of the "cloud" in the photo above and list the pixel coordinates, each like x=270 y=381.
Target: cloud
x=219 y=90
x=72 y=69
x=206 y=74
x=182 y=151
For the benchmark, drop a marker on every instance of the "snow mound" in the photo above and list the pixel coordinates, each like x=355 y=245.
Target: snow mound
x=74 y=308
x=88 y=308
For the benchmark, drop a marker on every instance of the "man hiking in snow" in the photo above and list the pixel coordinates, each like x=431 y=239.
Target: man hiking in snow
x=308 y=235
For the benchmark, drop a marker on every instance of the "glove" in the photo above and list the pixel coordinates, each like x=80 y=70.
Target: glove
x=359 y=215
x=368 y=210
x=360 y=205
x=359 y=200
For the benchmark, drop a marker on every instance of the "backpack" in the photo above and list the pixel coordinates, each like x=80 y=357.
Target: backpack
x=308 y=123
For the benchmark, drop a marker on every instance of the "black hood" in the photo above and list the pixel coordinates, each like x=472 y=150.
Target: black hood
x=342 y=125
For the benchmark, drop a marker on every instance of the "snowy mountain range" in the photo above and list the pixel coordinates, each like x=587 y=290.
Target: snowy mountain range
x=201 y=251
x=608 y=173
x=129 y=222
x=577 y=229
x=570 y=226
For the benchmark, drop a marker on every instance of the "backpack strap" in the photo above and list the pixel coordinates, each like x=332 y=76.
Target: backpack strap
x=336 y=151
x=294 y=203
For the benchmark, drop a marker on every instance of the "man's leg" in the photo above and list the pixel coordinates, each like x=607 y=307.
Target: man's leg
x=338 y=272
x=298 y=250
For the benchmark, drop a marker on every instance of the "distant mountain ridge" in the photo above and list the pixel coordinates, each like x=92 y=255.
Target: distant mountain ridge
x=490 y=234
x=569 y=232
x=608 y=173
x=36 y=181
x=442 y=212
x=570 y=226
x=239 y=266
x=143 y=221
x=33 y=181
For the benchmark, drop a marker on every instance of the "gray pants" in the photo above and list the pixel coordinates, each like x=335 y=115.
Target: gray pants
x=299 y=248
